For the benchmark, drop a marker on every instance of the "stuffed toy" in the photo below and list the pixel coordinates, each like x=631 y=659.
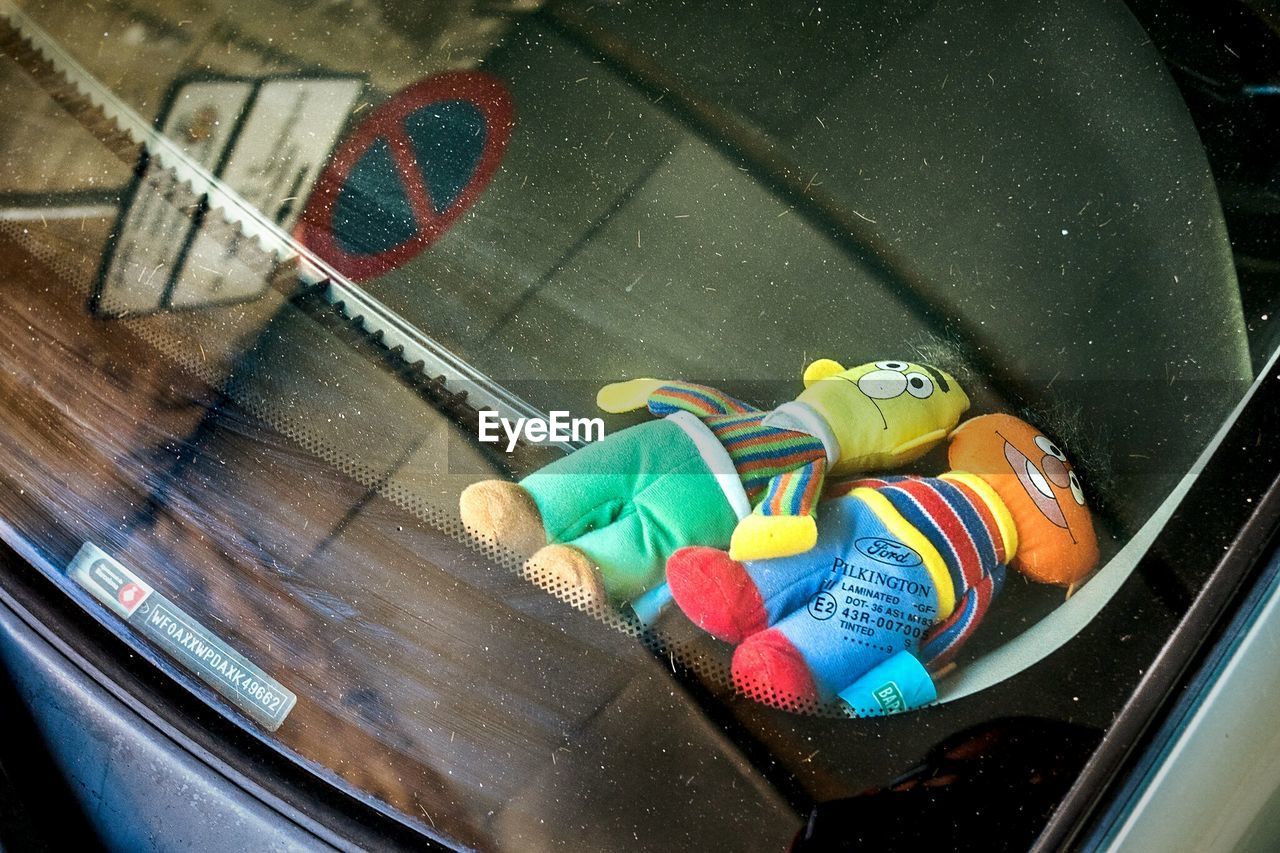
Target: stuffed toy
x=903 y=572
x=598 y=525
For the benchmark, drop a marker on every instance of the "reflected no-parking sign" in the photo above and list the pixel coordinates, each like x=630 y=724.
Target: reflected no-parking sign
x=407 y=172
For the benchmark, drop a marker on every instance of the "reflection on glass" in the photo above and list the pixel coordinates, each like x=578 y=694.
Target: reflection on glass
x=688 y=191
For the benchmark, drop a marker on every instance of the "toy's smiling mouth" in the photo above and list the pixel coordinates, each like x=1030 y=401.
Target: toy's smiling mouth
x=1036 y=486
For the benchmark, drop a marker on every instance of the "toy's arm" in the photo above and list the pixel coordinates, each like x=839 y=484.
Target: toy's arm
x=941 y=644
x=782 y=523
x=663 y=397
x=839 y=488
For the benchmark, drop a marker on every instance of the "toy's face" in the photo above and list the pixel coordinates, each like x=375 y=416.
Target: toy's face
x=1032 y=475
x=885 y=413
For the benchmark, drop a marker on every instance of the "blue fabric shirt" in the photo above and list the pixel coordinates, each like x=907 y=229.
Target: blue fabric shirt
x=873 y=598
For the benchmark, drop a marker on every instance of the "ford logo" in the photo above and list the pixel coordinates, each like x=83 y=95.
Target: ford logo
x=887 y=551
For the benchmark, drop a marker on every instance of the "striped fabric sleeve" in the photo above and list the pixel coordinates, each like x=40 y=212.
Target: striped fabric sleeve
x=794 y=492
x=947 y=638
x=840 y=488
x=699 y=400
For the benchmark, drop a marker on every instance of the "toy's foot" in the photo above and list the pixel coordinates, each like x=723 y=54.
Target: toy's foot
x=716 y=593
x=566 y=572
x=770 y=669
x=501 y=513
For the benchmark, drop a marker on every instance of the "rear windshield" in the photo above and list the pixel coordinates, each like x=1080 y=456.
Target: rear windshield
x=282 y=279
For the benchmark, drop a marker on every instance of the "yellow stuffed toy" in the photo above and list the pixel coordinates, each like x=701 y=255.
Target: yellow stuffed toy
x=599 y=524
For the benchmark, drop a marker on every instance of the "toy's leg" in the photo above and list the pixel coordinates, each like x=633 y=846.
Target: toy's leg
x=592 y=487
x=813 y=653
x=500 y=513
x=717 y=593
x=563 y=500
x=630 y=508
x=770 y=669
x=732 y=600
x=614 y=561
x=627 y=552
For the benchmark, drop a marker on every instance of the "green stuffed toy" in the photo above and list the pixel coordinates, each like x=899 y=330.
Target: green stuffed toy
x=599 y=524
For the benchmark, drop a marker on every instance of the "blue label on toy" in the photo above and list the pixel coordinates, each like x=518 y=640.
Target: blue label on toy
x=896 y=685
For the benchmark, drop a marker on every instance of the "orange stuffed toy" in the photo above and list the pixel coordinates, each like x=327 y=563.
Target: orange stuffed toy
x=901 y=576
x=1033 y=478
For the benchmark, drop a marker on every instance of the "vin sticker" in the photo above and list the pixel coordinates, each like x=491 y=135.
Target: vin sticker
x=182 y=637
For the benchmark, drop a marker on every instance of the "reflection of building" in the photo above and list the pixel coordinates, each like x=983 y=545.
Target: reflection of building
x=310 y=544
x=140 y=48
x=267 y=139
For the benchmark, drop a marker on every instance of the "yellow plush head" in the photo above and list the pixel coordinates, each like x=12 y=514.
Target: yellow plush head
x=884 y=414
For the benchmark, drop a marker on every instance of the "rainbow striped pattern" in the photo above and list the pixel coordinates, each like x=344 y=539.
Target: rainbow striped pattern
x=963 y=529
x=781 y=470
x=697 y=399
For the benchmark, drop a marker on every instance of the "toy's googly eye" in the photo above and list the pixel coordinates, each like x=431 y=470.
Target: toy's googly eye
x=1049 y=447
x=883 y=384
x=919 y=385
x=899 y=366
x=1076 y=491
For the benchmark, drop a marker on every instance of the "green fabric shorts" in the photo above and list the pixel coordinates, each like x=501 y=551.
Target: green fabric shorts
x=632 y=499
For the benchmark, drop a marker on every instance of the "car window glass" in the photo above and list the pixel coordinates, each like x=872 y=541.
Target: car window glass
x=267 y=265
